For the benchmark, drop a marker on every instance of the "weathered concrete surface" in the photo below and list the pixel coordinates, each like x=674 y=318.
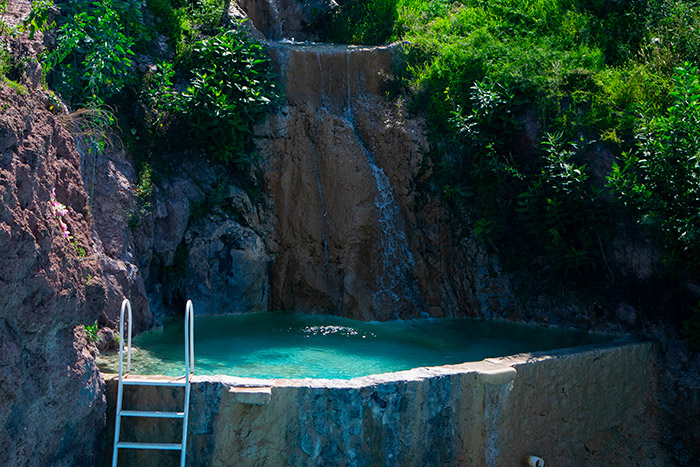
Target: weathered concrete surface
x=573 y=407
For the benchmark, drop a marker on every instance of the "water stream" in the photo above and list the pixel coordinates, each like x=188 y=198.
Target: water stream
x=395 y=279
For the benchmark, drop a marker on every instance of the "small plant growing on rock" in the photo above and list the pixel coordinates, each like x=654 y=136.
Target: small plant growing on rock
x=142 y=204
x=59 y=211
x=79 y=250
x=91 y=333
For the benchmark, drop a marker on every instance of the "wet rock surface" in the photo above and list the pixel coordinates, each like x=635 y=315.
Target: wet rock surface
x=353 y=235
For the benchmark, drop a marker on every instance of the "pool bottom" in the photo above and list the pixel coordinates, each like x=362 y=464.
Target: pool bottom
x=585 y=406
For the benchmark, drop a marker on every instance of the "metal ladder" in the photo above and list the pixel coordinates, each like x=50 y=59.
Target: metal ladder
x=146 y=381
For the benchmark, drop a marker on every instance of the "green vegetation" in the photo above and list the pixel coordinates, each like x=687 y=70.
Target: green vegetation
x=230 y=87
x=660 y=178
x=211 y=92
x=585 y=75
x=93 y=58
x=144 y=188
x=10 y=65
x=528 y=103
x=91 y=333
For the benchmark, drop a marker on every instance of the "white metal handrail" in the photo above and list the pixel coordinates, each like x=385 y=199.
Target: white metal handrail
x=189 y=372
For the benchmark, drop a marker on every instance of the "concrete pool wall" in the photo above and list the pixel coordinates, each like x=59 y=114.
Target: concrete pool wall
x=583 y=406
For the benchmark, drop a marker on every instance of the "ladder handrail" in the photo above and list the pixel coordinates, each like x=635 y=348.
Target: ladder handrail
x=189 y=372
x=189 y=339
x=126 y=304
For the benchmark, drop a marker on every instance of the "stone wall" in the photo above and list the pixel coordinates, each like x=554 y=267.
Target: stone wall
x=587 y=406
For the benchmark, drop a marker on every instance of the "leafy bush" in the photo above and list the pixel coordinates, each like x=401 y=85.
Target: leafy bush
x=542 y=203
x=229 y=88
x=167 y=20
x=660 y=179
x=562 y=213
x=92 y=60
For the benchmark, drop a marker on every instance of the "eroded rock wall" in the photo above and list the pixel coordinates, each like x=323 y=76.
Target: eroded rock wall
x=51 y=395
x=65 y=262
x=204 y=240
x=353 y=234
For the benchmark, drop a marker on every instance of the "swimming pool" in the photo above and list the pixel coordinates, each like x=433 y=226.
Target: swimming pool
x=295 y=345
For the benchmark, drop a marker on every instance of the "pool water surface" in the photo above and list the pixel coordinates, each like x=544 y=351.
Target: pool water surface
x=294 y=345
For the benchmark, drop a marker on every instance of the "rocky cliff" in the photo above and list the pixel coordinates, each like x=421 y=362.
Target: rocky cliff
x=64 y=263
x=55 y=277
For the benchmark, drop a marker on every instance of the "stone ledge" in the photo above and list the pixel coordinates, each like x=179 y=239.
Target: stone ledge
x=497 y=376
x=252 y=396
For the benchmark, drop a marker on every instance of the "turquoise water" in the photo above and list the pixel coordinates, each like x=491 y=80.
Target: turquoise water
x=294 y=345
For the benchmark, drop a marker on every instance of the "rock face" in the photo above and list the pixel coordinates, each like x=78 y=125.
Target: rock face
x=203 y=241
x=51 y=396
x=109 y=180
x=343 y=163
x=279 y=19
x=65 y=261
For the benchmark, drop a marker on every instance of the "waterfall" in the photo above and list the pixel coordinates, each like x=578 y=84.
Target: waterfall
x=276 y=19
x=364 y=267
x=317 y=172
x=395 y=279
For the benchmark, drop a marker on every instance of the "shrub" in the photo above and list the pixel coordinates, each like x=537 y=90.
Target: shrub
x=660 y=178
x=561 y=212
x=92 y=60
x=167 y=21
x=232 y=86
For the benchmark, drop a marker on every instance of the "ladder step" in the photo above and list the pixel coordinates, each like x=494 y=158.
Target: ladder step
x=160 y=446
x=151 y=413
x=153 y=382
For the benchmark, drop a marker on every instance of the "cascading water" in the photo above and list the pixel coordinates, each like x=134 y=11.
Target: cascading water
x=276 y=19
x=319 y=185
x=395 y=279
x=358 y=262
